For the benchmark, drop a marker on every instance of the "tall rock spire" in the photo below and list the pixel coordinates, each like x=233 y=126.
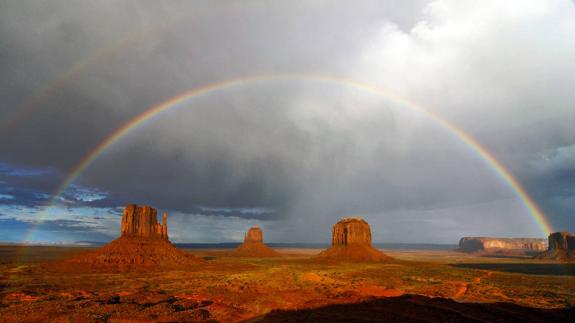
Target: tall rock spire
x=165 y=226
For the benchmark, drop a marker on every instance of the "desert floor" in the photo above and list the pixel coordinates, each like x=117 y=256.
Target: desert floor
x=226 y=289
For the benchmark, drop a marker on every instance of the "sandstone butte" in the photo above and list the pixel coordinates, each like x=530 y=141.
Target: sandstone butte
x=561 y=247
x=351 y=240
x=143 y=245
x=489 y=244
x=254 y=246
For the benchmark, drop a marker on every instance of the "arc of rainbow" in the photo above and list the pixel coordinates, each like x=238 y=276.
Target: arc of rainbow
x=47 y=90
x=537 y=215
x=93 y=58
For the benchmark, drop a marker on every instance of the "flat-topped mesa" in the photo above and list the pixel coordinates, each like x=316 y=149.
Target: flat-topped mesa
x=351 y=231
x=140 y=222
x=254 y=246
x=351 y=240
x=561 y=246
x=487 y=244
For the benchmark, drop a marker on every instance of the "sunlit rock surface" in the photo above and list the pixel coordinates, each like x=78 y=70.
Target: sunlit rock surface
x=141 y=222
x=143 y=245
x=351 y=240
x=478 y=244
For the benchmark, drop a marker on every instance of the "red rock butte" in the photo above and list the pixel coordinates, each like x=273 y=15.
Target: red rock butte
x=351 y=240
x=254 y=246
x=143 y=245
x=561 y=246
x=141 y=222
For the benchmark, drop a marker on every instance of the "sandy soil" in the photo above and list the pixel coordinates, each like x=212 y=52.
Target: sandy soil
x=228 y=289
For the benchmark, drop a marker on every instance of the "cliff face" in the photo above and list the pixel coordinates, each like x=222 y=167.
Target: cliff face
x=254 y=234
x=351 y=231
x=561 y=247
x=475 y=244
x=562 y=241
x=141 y=222
x=351 y=241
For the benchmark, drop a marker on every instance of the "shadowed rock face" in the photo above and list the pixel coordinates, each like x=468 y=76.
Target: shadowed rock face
x=141 y=222
x=561 y=246
x=351 y=240
x=475 y=244
x=562 y=241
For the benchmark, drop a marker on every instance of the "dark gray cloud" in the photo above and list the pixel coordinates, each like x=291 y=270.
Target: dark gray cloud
x=307 y=152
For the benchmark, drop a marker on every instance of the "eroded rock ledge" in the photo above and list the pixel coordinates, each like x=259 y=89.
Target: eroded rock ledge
x=479 y=244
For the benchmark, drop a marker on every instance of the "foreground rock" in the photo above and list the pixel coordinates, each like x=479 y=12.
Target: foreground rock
x=254 y=246
x=561 y=247
x=417 y=308
x=351 y=240
x=144 y=245
x=502 y=245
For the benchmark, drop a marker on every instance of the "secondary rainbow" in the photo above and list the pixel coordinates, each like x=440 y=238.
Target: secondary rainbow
x=537 y=215
x=94 y=58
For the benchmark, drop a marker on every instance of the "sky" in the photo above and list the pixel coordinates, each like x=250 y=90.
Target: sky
x=292 y=155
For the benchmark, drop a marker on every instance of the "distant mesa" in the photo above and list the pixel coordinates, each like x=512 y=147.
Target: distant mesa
x=254 y=246
x=144 y=245
x=502 y=245
x=351 y=240
x=561 y=247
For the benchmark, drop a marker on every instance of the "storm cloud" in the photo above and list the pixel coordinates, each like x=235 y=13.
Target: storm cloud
x=293 y=155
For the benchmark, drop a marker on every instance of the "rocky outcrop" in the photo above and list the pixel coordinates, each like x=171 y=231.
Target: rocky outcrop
x=351 y=240
x=351 y=231
x=254 y=234
x=141 y=222
x=562 y=241
x=254 y=246
x=489 y=244
x=143 y=245
x=561 y=247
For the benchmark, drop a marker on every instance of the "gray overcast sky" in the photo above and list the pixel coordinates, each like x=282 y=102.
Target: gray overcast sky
x=293 y=156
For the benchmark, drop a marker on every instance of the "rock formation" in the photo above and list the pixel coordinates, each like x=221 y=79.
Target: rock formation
x=140 y=222
x=254 y=246
x=143 y=245
x=561 y=247
x=351 y=240
x=498 y=245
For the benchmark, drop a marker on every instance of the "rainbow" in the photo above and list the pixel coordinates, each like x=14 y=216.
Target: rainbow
x=505 y=175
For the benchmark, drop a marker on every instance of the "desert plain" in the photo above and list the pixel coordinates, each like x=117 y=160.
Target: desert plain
x=416 y=285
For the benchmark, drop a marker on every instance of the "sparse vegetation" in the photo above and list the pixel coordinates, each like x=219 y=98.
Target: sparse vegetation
x=231 y=288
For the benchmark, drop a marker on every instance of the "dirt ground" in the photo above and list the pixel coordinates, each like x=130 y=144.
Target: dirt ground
x=228 y=289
